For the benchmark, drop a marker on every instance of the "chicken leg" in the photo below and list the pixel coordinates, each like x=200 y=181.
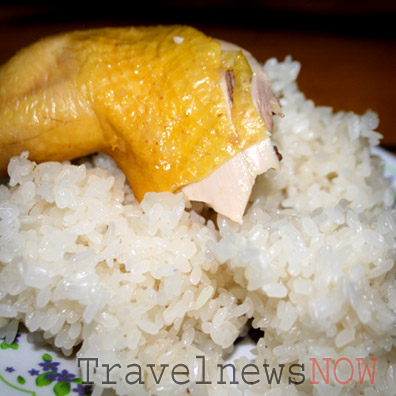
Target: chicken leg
x=169 y=104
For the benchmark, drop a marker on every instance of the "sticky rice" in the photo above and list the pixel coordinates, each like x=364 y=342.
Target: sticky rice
x=83 y=263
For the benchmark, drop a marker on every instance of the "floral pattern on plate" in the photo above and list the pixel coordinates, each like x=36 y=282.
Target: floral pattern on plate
x=38 y=371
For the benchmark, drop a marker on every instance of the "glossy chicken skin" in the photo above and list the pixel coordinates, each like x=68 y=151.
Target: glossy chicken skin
x=152 y=98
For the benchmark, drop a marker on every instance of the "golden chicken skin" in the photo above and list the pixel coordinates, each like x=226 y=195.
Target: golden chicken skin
x=176 y=109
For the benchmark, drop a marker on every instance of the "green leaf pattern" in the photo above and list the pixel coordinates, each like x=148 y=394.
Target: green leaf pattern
x=42 y=379
x=14 y=345
x=21 y=380
x=62 y=388
x=46 y=356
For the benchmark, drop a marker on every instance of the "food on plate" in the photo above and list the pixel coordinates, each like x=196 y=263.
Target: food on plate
x=147 y=286
x=170 y=105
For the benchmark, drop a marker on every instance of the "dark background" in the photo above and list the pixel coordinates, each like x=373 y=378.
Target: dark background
x=347 y=49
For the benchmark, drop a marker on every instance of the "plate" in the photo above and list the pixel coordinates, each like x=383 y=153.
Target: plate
x=27 y=368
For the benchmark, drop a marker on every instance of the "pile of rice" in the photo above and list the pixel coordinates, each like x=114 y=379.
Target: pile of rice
x=81 y=261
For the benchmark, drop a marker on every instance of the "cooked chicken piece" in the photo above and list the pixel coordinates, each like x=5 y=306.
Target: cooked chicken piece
x=174 y=108
x=227 y=189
